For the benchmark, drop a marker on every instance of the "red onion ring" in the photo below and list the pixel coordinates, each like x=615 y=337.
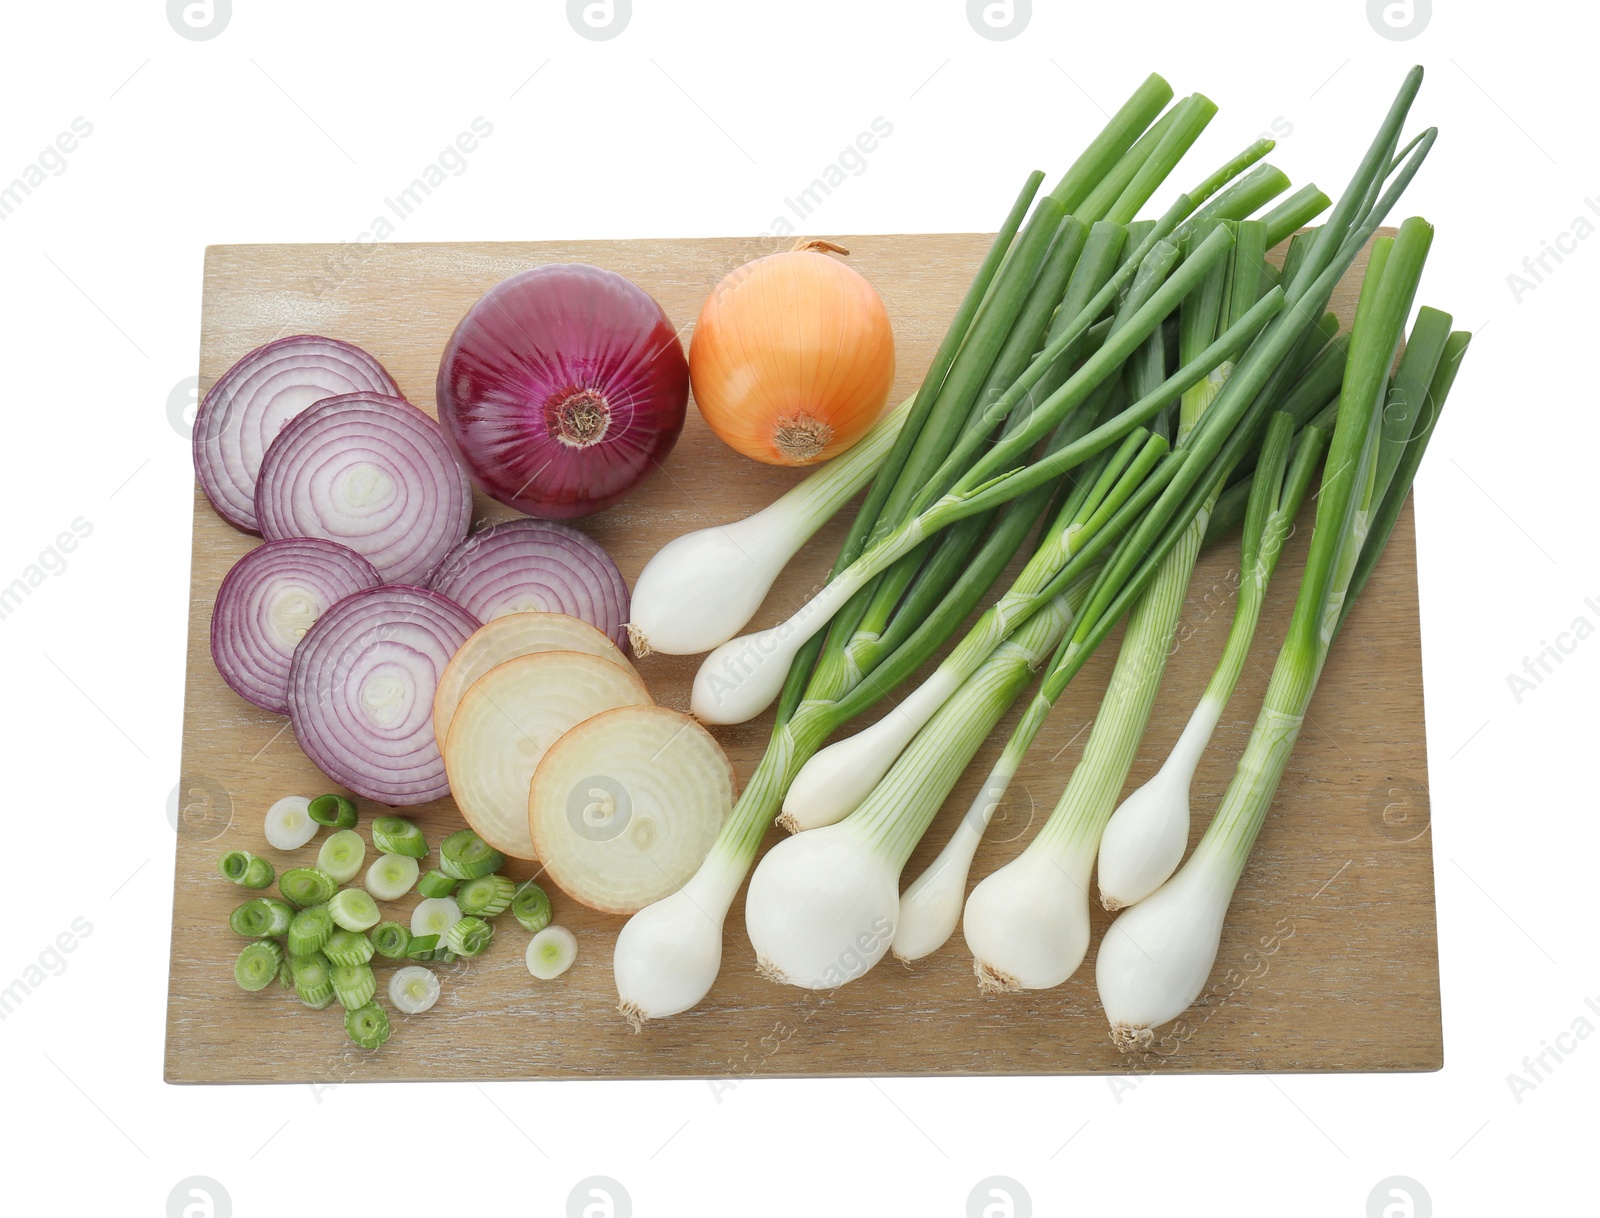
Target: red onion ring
x=523 y=565
x=266 y=604
x=253 y=400
x=562 y=388
x=361 y=691
x=370 y=472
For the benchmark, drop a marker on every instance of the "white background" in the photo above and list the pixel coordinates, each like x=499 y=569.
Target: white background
x=301 y=117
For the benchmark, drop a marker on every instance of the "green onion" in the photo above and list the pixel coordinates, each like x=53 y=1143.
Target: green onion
x=465 y=856
x=354 y=909
x=311 y=979
x=551 y=952
x=262 y=918
x=367 y=1025
x=391 y=876
x=531 y=907
x=245 y=869
x=310 y=929
x=390 y=940
x=436 y=884
x=305 y=886
x=422 y=947
x=1158 y=954
x=348 y=947
x=396 y=835
x=335 y=811
x=353 y=984
x=257 y=964
x=486 y=896
x=469 y=936
x=342 y=855
x=286 y=974
x=414 y=989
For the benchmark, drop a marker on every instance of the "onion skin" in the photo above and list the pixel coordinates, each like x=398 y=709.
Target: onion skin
x=251 y=649
x=793 y=357
x=252 y=402
x=561 y=389
x=347 y=673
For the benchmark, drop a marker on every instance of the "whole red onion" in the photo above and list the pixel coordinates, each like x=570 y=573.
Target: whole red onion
x=561 y=388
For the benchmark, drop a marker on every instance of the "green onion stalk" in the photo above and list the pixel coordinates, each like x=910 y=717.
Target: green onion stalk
x=668 y=955
x=1027 y=924
x=1158 y=954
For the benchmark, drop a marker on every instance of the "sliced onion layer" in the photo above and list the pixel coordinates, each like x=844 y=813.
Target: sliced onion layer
x=624 y=807
x=361 y=691
x=522 y=566
x=268 y=601
x=372 y=473
x=506 y=721
x=247 y=408
x=506 y=638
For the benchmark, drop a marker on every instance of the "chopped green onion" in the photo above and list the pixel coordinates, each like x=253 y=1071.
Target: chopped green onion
x=390 y=940
x=353 y=984
x=335 y=811
x=245 y=869
x=305 y=886
x=465 y=856
x=257 y=964
x=487 y=896
x=348 y=947
x=286 y=974
x=531 y=907
x=310 y=930
x=262 y=918
x=422 y=947
x=397 y=835
x=435 y=916
x=367 y=1025
x=552 y=951
x=392 y=876
x=469 y=936
x=413 y=989
x=342 y=854
x=311 y=979
x=288 y=826
x=354 y=909
x=436 y=884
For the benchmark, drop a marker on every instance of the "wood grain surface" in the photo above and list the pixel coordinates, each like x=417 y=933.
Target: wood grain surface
x=1329 y=957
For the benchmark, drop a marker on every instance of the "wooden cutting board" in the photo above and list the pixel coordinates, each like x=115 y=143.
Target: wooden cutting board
x=1329 y=960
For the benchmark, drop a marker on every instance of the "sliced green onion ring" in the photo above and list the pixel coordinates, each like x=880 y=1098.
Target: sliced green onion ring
x=436 y=884
x=413 y=989
x=334 y=811
x=435 y=916
x=262 y=918
x=469 y=936
x=367 y=1025
x=348 y=947
x=422 y=947
x=342 y=855
x=397 y=835
x=305 y=886
x=487 y=896
x=390 y=940
x=392 y=876
x=551 y=952
x=311 y=979
x=531 y=907
x=353 y=984
x=257 y=964
x=289 y=825
x=466 y=856
x=354 y=909
x=310 y=930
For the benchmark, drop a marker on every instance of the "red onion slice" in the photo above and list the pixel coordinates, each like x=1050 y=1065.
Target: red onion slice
x=361 y=691
x=370 y=472
x=536 y=565
x=252 y=401
x=266 y=604
x=562 y=388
